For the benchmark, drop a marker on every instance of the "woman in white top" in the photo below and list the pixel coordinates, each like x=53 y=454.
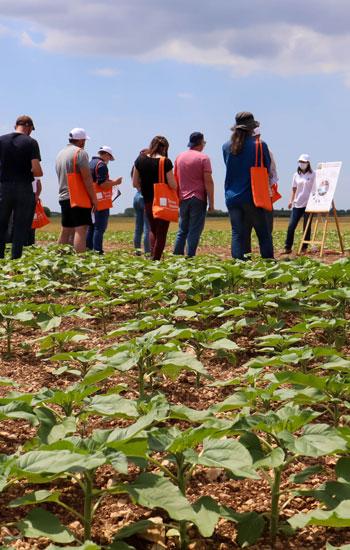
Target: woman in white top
x=303 y=181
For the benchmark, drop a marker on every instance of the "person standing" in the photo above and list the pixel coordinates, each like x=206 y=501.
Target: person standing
x=141 y=225
x=103 y=188
x=194 y=176
x=239 y=157
x=302 y=184
x=19 y=165
x=273 y=182
x=145 y=175
x=75 y=220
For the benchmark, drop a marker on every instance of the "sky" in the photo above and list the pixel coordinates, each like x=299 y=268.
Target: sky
x=127 y=70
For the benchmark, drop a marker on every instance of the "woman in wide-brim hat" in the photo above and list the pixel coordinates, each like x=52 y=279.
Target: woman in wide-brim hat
x=239 y=156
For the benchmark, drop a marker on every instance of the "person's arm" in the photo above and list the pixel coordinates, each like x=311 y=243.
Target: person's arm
x=136 y=180
x=209 y=187
x=36 y=168
x=38 y=189
x=108 y=184
x=170 y=178
x=294 y=190
x=87 y=179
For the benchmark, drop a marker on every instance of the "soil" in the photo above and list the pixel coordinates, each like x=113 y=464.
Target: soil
x=32 y=372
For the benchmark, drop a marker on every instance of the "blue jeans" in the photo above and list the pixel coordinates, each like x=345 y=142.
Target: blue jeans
x=17 y=198
x=191 y=224
x=245 y=214
x=296 y=215
x=141 y=224
x=94 y=238
x=248 y=231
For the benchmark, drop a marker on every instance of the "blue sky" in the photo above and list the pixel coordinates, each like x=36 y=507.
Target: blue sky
x=127 y=71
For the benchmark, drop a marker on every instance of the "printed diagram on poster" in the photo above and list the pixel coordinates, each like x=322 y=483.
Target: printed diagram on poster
x=322 y=193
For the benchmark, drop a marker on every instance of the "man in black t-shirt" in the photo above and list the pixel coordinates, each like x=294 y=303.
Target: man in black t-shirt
x=19 y=166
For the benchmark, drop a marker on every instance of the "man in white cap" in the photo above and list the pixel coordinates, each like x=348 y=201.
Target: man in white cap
x=103 y=187
x=75 y=220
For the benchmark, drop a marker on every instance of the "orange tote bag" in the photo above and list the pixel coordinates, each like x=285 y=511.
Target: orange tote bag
x=40 y=218
x=259 y=178
x=276 y=196
x=104 y=198
x=166 y=201
x=78 y=194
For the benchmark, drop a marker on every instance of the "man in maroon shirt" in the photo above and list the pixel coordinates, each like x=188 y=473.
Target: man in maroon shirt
x=194 y=176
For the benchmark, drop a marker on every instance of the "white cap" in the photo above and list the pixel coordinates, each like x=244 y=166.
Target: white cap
x=78 y=133
x=304 y=158
x=106 y=149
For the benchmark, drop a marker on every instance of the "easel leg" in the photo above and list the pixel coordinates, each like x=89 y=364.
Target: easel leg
x=338 y=228
x=324 y=234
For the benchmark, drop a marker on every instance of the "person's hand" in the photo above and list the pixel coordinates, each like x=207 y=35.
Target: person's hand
x=290 y=204
x=211 y=208
x=94 y=203
x=118 y=181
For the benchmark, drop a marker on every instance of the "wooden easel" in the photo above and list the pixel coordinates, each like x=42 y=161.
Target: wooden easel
x=321 y=217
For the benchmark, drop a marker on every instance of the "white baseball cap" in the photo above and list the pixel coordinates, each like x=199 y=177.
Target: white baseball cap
x=78 y=133
x=304 y=158
x=106 y=149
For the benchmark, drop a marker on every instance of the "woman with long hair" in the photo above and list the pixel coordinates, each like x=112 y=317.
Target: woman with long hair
x=145 y=175
x=302 y=184
x=240 y=156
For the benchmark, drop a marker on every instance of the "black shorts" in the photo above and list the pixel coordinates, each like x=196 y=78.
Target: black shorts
x=74 y=217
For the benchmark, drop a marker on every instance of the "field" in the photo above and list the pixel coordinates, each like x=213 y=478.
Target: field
x=196 y=404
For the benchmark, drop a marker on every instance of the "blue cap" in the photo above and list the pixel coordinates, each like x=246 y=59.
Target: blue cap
x=196 y=138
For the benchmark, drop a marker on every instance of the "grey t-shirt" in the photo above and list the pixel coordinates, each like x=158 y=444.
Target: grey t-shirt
x=64 y=166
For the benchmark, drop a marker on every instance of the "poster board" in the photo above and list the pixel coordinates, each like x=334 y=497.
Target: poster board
x=322 y=193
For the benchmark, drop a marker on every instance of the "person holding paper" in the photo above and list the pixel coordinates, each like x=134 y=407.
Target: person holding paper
x=103 y=188
x=302 y=184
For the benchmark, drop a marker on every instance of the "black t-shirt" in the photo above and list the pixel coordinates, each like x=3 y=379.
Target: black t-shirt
x=148 y=169
x=16 y=154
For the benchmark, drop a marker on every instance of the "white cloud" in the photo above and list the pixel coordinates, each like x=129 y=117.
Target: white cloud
x=105 y=72
x=185 y=95
x=245 y=36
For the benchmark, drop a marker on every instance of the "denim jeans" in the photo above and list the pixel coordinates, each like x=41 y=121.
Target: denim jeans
x=17 y=198
x=141 y=224
x=296 y=215
x=244 y=214
x=94 y=238
x=191 y=224
x=248 y=231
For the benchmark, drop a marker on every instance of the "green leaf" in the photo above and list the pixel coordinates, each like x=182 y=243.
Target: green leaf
x=228 y=454
x=344 y=547
x=86 y=546
x=342 y=468
x=249 y=529
x=129 y=530
x=41 y=523
x=112 y=405
x=318 y=444
x=155 y=491
x=58 y=462
x=35 y=497
x=208 y=514
x=302 y=476
x=338 y=517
